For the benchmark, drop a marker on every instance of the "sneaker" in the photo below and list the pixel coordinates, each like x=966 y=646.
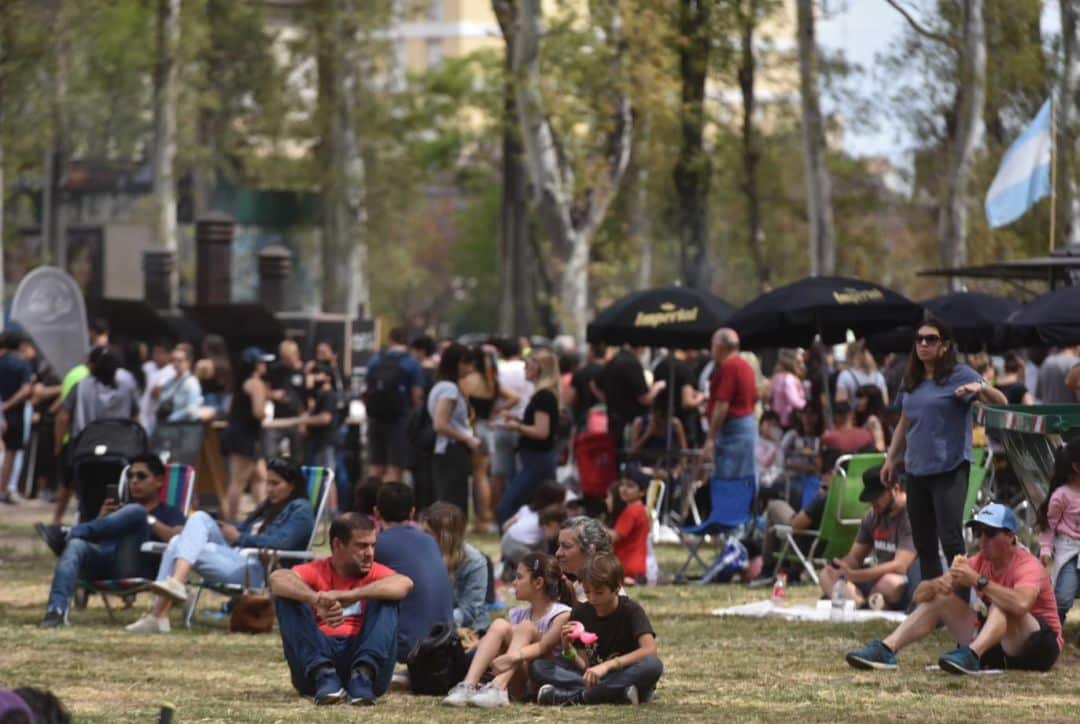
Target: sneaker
x=872 y=656
x=460 y=695
x=876 y=602
x=150 y=624
x=53 y=619
x=551 y=696
x=961 y=660
x=360 y=690
x=490 y=697
x=53 y=536
x=328 y=688
x=170 y=588
x=632 y=697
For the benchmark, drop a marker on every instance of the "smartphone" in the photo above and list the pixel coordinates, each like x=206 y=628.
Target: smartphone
x=112 y=492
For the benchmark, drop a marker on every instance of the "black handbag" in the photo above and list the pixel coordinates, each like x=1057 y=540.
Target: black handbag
x=437 y=662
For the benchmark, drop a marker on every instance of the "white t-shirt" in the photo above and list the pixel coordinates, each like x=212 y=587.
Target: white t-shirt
x=160 y=377
x=459 y=414
x=526 y=526
x=512 y=377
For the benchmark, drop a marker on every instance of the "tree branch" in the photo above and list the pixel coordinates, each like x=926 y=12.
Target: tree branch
x=922 y=29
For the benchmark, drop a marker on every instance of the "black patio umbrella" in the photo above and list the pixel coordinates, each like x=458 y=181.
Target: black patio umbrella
x=134 y=319
x=978 y=320
x=241 y=324
x=1054 y=316
x=793 y=315
x=678 y=317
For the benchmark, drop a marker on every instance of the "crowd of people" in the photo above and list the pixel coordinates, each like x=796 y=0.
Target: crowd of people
x=486 y=433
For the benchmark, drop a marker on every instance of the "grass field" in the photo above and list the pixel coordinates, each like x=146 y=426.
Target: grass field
x=715 y=669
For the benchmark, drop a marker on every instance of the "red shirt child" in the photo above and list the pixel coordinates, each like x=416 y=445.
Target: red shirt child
x=631 y=532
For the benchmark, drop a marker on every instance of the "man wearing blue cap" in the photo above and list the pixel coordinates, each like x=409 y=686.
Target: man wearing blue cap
x=1014 y=624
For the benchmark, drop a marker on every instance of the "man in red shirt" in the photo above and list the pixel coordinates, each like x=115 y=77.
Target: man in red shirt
x=1015 y=623
x=732 y=394
x=338 y=617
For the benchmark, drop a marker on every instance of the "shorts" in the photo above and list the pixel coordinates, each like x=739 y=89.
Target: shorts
x=15 y=432
x=1039 y=654
x=388 y=443
x=503 y=452
x=245 y=445
x=905 y=598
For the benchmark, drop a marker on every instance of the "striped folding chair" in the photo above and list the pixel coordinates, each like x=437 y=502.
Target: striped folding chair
x=179 y=492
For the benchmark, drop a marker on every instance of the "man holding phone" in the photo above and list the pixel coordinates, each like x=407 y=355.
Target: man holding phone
x=108 y=546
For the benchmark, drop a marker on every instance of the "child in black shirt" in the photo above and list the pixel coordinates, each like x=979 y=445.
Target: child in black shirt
x=621 y=666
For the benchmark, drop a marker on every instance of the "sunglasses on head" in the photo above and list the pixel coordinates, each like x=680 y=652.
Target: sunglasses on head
x=927 y=338
x=985 y=530
x=137 y=475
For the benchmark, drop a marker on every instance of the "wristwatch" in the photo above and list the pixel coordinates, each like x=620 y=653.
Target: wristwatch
x=150 y=520
x=981 y=582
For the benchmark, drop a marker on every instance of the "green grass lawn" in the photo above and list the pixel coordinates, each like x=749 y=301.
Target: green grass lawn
x=715 y=669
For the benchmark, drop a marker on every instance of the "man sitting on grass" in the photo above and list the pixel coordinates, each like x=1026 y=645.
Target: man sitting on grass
x=338 y=617
x=886 y=531
x=1015 y=627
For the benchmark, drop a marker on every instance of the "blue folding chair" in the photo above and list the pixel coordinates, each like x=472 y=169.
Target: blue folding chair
x=730 y=513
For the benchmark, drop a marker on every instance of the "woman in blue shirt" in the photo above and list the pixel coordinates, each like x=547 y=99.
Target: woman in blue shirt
x=932 y=442
x=283 y=521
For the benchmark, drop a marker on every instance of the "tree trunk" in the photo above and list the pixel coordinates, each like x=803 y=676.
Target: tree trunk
x=515 y=284
x=641 y=226
x=165 y=99
x=3 y=286
x=570 y=223
x=54 y=237
x=970 y=97
x=818 y=182
x=344 y=251
x=751 y=153
x=693 y=170
x=1069 y=206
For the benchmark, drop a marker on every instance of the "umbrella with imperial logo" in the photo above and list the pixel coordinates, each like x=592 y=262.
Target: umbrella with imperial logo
x=678 y=317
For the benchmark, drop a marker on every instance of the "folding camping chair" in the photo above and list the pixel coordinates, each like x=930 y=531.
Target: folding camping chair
x=319 y=480
x=178 y=491
x=732 y=510
x=982 y=463
x=839 y=522
x=654 y=501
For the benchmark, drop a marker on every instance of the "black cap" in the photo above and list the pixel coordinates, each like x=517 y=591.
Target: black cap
x=872 y=485
x=634 y=473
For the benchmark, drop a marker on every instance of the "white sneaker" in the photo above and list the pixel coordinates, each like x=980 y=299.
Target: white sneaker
x=461 y=695
x=170 y=588
x=150 y=624
x=876 y=602
x=490 y=697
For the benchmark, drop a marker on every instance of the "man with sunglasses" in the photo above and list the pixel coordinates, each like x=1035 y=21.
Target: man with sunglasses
x=107 y=547
x=1014 y=624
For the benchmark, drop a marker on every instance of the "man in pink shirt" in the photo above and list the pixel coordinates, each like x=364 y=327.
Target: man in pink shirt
x=1014 y=623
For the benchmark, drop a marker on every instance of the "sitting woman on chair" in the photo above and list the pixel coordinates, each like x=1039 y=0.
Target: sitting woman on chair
x=649 y=432
x=283 y=521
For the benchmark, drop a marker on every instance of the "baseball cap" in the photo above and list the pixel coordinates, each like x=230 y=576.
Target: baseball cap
x=995 y=515
x=872 y=485
x=251 y=355
x=635 y=474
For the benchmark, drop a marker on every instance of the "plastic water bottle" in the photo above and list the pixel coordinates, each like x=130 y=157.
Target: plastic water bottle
x=779 y=590
x=839 y=598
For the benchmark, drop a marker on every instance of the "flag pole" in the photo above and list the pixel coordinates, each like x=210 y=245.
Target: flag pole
x=1053 y=172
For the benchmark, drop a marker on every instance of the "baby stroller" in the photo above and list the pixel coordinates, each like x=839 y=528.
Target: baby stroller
x=98 y=455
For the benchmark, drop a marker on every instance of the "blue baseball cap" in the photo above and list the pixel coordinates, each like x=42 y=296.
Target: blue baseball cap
x=995 y=515
x=251 y=355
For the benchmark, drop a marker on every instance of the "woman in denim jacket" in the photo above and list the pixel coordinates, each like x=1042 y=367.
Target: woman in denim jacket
x=283 y=521
x=468 y=568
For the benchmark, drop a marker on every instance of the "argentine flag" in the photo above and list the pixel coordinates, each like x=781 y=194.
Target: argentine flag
x=1024 y=175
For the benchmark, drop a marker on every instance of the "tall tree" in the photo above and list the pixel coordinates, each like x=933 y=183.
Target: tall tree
x=818 y=183
x=165 y=102
x=571 y=212
x=693 y=170
x=344 y=246
x=1068 y=96
x=749 y=13
x=515 y=282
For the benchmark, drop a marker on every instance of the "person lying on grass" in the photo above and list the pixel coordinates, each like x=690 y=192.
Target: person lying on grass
x=1015 y=624
x=620 y=666
x=338 y=617
x=529 y=633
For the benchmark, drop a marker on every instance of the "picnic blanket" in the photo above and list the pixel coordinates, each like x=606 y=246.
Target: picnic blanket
x=801 y=612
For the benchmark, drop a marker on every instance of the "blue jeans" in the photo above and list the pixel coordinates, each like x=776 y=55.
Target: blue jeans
x=1065 y=587
x=611 y=689
x=533 y=468
x=734 y=450
x=201 y=544
x=307 y=648
x=106 y=547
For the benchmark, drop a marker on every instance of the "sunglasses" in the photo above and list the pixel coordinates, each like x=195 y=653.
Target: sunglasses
x=927 y=339
x=137 y=475
x=982 y=530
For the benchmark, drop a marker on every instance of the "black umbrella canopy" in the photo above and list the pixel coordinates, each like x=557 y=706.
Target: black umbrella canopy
x=793 y=315
x=134 y=319
x=1055 y=316
x=678 y=317
x=978 y=320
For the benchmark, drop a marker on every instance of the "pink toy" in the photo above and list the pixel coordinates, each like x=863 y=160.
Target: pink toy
x=581 y=634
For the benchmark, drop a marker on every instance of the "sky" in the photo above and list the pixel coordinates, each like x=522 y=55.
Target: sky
x=863 y=28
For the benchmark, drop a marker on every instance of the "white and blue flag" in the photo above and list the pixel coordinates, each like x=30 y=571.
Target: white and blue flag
x=1024 y=175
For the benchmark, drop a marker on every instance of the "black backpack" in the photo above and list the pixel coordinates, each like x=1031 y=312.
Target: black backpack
x=437 y=662
x=420 y=430
x=384 y=381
